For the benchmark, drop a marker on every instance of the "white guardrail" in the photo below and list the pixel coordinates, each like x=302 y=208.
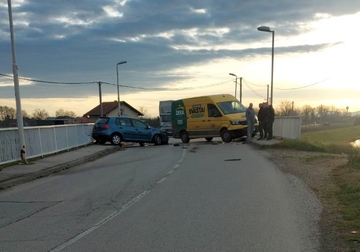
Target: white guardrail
x=43 y=140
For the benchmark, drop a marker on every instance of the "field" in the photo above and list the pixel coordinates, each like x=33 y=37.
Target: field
x=330 y=165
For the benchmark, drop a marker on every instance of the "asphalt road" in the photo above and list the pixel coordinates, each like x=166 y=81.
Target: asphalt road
x=201 y=197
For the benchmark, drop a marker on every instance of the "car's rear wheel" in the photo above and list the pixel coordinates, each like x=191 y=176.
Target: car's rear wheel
x=157 y=140
x=226 y=136
x=142 y=144
x=208 y=139
x=116 y=139
x=184 y=137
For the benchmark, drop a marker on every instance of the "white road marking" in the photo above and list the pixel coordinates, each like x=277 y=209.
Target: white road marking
x=116 y=213
x=100 y=223
x=161 y=180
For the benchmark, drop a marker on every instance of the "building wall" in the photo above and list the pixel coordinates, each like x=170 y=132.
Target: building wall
x=127 y=112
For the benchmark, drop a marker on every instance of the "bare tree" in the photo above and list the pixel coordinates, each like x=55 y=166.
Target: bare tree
x=7 y=112
x=24 y=113
x=144 y=111
x=323 y=112
x=40 y=114
x=285 y=108
x=62 y=112
x=307 y=114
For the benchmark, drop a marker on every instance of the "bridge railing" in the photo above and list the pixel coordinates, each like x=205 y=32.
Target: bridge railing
x=43 y=140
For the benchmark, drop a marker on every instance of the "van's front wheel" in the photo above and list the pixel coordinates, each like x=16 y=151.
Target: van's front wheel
x=184 y=137
x=226 y=136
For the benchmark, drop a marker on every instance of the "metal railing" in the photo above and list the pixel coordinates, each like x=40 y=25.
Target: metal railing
x=43 y=140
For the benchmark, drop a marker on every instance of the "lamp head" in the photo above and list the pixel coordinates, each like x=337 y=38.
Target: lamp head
x=122 y=62
x=264 y=29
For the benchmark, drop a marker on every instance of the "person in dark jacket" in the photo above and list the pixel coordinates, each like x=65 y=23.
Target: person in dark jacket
x=261 y=118
x=265 y=112
x=270 y=118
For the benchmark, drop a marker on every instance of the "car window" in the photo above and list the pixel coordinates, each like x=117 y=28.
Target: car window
x=102 y=120
x=139 y=124
x=123 y=121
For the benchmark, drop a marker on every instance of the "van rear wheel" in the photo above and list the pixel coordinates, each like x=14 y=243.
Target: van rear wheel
x=184 y=137
x=208 y=139
x=226 y=136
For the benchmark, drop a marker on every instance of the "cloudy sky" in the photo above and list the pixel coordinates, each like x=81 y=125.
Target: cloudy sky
x=178 y=49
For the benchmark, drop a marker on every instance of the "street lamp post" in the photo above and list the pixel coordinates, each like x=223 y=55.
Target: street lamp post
x=240 y=90
x=267 y=29
x=117 y=82
x=235 y=81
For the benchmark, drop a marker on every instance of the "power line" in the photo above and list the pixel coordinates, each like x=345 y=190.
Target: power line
x=252 y=90
x=246 y=82
x=112 y=84
x=306 y=86
x=50 y=82
x=295 y=88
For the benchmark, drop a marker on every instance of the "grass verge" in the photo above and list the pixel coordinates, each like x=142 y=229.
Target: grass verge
x=346 y=197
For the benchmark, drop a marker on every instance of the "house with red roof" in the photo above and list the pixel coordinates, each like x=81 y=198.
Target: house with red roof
x=111 y=109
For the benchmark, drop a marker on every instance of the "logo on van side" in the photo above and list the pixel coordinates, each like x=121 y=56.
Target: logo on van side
x=196 y=109
x=180 y=111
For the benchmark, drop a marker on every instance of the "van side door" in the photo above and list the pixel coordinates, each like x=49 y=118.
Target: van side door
x=214 y=120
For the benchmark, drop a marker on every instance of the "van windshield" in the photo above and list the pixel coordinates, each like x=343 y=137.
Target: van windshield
x=231 y=107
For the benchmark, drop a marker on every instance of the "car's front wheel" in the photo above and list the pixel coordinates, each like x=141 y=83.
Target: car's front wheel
x=116 y=139
x=157 y=140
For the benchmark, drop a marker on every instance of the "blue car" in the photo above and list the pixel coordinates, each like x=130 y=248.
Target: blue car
x=123 y=129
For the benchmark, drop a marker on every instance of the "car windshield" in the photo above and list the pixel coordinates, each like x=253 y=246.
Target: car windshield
x=231 y=107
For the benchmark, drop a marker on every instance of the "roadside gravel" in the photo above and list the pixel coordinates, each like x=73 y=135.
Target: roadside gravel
x=315 y=170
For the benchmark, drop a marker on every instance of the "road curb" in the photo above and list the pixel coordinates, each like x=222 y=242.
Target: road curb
x=23 y=178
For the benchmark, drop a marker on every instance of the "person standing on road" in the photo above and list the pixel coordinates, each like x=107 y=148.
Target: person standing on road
x=261 y=118
x=265 y=112
x=250 y=120
x=270 y=118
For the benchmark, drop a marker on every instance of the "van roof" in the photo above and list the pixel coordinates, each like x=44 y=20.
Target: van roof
x=215 y=96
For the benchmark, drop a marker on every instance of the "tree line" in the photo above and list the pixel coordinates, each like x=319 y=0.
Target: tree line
x=8 y=115
x=311 y=115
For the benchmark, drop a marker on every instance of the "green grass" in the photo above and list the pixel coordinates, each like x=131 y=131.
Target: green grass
x=331 y=140
x=346 y=198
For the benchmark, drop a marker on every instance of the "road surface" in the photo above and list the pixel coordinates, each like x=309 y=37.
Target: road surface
x=198 y=197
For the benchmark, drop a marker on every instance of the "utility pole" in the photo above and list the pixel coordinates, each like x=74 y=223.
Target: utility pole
x=20 y=124
x=267 y=94
x=100 y=98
